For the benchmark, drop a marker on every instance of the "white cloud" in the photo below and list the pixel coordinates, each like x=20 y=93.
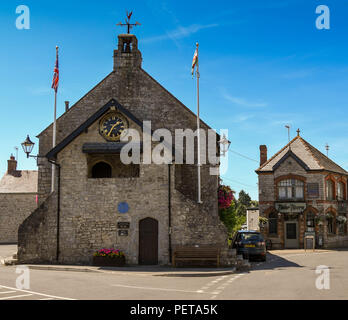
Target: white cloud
x=242 y=118
x=180 y=32
x=243 y=102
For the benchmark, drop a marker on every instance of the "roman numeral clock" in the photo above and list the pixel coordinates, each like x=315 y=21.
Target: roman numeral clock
x=112 y=126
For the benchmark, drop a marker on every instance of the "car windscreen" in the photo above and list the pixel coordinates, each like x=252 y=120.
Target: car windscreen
x=251 y=237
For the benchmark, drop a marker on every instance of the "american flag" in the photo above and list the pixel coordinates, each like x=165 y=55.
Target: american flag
x=55 y=81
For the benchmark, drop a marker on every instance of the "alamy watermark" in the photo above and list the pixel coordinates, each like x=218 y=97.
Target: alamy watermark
x=23 y=280
x=323 y=280
x=23 y=20
x=323 y=20
x=160 y=147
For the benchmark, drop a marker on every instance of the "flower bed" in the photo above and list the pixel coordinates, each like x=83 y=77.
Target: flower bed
x=109 y=258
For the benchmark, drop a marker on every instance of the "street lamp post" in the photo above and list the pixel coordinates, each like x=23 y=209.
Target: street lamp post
x=28 y=146
x=225 y=144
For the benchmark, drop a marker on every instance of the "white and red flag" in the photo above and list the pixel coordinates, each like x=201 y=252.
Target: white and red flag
x=55 y=81
x=195 y=60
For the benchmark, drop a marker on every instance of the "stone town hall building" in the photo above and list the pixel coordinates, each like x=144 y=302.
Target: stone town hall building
x=144 y=209
x=302 y=192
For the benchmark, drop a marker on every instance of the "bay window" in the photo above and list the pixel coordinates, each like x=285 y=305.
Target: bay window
x=291 y=189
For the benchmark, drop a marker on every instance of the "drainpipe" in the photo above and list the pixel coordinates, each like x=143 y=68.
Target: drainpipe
x=169 y=214
x=58 y=207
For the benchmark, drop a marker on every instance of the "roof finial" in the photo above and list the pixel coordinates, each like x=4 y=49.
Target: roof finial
x=327 y=147
x=298 y=132
x=288 y=127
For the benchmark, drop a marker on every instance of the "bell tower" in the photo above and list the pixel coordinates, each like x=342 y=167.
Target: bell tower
x=127 y=53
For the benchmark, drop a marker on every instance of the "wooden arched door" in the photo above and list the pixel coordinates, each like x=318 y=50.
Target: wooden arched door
x=148 y=241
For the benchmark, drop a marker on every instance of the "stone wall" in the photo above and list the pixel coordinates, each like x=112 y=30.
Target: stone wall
x=37 y=235
x=14 y=208
x=133 y=88
x=89 y=210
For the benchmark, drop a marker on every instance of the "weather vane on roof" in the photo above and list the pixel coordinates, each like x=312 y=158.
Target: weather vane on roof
x=128 y=24
x=327 y=147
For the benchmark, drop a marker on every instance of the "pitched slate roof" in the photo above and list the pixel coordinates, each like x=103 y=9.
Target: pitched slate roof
x=20 y=181
x=310 y=157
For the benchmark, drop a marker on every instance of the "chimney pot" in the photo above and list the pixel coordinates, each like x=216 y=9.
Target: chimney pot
x=11 y=164
x=263 y=154
x=66 y=106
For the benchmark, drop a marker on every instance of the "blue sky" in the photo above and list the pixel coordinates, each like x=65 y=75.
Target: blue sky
x=263 y=64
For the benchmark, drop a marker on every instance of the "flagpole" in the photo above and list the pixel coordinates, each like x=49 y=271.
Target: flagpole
x=198 y=135
x=54 y=132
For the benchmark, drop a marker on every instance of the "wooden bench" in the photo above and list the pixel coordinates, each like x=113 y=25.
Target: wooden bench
x=199 y=253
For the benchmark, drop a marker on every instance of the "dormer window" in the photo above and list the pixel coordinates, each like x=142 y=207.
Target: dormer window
x=291 y=189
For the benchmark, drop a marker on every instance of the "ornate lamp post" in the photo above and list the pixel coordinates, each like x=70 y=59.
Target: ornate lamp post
x=28 y=146
x=225 y=145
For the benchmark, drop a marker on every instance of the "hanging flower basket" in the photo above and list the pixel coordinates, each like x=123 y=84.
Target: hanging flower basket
x=109 y=258
x=263 y=221
x=329 y=216
x=341 y=219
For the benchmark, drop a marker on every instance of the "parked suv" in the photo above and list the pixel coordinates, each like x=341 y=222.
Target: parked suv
x=250 y=244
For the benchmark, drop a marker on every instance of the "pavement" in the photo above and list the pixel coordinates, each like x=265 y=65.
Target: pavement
x=142 y=270
x=6 y=252
x=298 y=251
x=286 y=275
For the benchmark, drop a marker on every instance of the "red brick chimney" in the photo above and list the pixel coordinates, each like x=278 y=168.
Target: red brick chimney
x=11 y=164
x=263 y=154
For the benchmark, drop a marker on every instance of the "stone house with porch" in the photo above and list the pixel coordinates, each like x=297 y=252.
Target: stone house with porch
x=99 y=201
x=302 y=192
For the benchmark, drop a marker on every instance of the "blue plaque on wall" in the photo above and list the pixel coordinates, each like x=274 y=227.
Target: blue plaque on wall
x=123 y=207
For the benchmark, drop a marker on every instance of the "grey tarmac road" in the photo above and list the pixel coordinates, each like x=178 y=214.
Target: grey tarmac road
x=283 y=276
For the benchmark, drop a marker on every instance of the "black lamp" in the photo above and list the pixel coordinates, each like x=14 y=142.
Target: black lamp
x=27 y=146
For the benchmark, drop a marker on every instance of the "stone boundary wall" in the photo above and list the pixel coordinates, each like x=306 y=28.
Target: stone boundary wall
x=199 y=224
x=14 y=209
x=37 y=234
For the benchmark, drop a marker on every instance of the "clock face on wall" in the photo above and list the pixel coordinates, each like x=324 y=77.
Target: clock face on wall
x=112 y=125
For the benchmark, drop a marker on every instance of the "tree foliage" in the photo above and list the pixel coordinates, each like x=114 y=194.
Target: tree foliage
x=232 y=212
x=244 y=199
